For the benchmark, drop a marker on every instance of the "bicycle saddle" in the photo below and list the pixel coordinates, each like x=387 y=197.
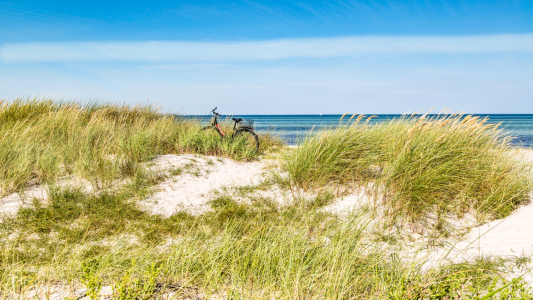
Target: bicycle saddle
x=237 y=120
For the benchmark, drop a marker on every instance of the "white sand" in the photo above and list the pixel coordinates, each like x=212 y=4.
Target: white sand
x=511 y=237
x=9 y=205
x=508 y=238
x=193 y=189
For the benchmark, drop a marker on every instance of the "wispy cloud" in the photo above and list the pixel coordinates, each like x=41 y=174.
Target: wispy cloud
x=264 y=50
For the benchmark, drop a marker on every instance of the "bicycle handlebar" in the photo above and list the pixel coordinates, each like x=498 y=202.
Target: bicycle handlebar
x=214 y=112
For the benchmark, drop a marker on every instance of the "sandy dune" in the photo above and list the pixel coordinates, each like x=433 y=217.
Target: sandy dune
x=194 y=179
x=200 y=175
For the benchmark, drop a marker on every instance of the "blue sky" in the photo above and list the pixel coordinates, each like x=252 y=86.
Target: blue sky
x=273 y=57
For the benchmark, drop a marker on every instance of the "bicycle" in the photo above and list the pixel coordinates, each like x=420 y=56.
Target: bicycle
x=243 y=131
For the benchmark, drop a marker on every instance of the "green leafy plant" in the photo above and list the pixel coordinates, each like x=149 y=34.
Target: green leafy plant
x=137 y=286
x=89 y=277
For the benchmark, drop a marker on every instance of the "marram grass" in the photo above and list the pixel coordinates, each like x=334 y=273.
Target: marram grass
x=42 y=140
x=418 y=164
x=253 y=250
x=242 y=251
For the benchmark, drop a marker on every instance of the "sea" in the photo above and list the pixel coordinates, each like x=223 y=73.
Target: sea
x=294 y=128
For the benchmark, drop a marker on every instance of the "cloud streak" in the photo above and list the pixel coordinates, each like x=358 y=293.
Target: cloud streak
x=267 y=50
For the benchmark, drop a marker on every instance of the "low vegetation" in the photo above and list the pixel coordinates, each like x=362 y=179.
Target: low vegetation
x=253 y=250
x=43 y=140
x=418 y=165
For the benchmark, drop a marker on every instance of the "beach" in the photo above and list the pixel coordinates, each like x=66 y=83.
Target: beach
x=361 y=150
x=172 y=211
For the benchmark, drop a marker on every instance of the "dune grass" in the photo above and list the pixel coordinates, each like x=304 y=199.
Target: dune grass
x=241 y=251
x=254 y=250
x=418 y=164
x=43 y=140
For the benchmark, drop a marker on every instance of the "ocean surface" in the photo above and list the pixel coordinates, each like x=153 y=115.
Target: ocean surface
x=293 y=128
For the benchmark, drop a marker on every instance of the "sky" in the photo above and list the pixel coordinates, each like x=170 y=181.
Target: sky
x=272 y=57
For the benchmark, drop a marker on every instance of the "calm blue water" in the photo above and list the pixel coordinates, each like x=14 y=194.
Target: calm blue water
x=292 y=128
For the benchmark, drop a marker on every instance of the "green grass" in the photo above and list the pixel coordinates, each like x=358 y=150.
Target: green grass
x=243 y=250
x=251 y=250
x=44 y=140
x=447 y=164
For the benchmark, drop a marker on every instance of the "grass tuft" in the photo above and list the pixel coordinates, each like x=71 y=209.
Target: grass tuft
x=418 y=164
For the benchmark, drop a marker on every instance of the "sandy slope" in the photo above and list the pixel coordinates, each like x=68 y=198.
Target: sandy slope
x=510 y=236
x=9 y=205
x=200 y=176
x=191 y=191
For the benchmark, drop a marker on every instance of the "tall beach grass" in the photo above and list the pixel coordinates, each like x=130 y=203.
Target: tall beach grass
x=42 y=140
x=255 y=250
x=418 y=164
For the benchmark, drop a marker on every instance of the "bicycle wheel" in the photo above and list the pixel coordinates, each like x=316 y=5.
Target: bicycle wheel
x=248 y=140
